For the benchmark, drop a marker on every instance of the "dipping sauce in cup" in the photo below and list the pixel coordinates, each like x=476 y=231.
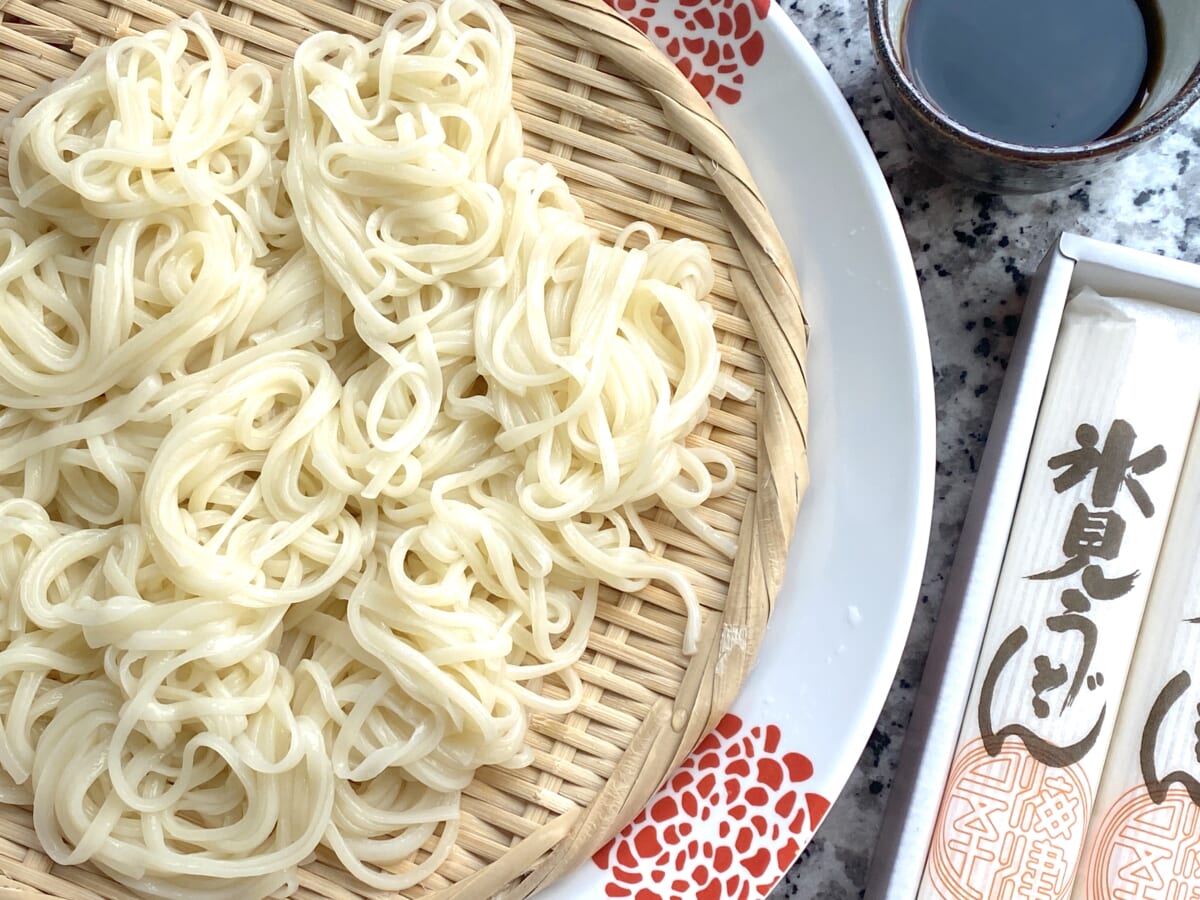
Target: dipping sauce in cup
x=1034 y=95
x=1047 y=73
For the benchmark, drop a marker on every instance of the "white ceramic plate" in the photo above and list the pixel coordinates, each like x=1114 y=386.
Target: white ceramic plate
x=743 y=806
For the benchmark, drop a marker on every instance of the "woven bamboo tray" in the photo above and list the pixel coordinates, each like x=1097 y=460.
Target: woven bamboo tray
x=634 y=141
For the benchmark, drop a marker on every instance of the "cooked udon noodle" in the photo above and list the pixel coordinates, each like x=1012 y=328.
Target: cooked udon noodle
x=324 y=418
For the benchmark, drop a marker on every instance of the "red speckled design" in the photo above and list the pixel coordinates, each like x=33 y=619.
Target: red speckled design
x=712 y=42
x=726 y=826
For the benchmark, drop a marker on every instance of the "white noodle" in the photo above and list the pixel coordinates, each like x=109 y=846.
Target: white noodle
x=324 y=419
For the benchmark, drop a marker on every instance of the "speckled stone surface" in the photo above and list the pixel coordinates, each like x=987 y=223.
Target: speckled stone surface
x=974 y=255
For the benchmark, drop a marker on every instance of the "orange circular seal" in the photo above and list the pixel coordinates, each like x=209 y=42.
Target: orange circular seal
x=1146 y=849
x=1009 y=826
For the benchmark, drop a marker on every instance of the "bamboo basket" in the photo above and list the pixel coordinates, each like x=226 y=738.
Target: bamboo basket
x=634 y=141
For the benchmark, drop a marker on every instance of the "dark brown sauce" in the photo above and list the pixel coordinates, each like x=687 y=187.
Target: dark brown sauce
x=1044 y=73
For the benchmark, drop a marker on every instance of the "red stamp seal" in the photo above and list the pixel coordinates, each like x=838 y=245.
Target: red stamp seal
x=1009 y=826
x=1147 y=850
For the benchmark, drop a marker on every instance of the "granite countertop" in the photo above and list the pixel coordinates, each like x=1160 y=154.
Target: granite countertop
x=974 y=254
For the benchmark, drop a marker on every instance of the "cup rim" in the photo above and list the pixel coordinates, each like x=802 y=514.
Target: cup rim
x=886 y=51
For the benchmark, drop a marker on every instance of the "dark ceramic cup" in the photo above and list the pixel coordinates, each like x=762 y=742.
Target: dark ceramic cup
x=999 y=166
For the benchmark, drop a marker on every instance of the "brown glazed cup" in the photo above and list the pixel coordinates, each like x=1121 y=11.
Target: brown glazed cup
x=999 y=166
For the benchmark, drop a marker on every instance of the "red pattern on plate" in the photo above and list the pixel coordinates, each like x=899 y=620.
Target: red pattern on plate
x=711 y=41
x=725 y=826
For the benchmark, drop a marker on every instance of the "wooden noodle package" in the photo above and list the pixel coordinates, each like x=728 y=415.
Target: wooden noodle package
x=1019 y=704
x=1144 y=836
x=1101 y=476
